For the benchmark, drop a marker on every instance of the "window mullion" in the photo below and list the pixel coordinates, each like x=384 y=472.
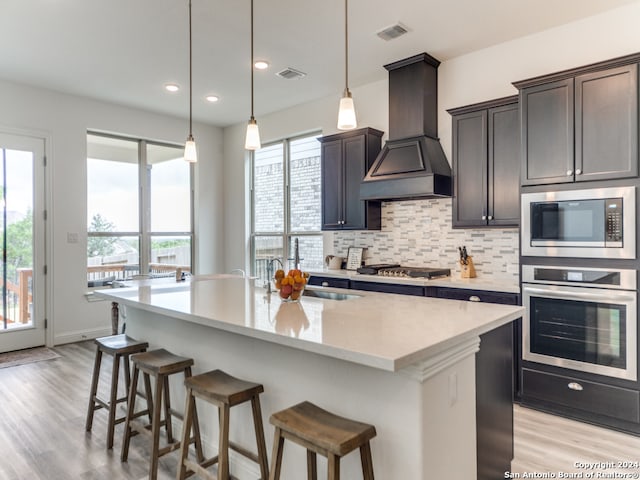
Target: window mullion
x=145 y=207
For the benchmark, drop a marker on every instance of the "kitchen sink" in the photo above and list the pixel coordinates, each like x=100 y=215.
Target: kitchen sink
x=329 y=295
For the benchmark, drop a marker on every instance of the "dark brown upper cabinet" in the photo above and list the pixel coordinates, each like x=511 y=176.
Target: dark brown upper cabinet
x=581 y=124
x=345 y=159
x=486 y=164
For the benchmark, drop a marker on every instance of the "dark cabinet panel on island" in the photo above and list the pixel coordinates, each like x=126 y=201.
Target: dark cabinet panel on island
x=329 y=282
x=581 y=124
x=345 y=159
x=486 y=164
x=497 y=365
x=415 y=290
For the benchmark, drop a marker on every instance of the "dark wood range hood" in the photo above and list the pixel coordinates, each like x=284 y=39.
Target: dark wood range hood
x=412 y=163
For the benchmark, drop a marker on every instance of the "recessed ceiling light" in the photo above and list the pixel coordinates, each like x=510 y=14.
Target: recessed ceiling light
x=212 y=98
x=172 y=87
x=261 y=64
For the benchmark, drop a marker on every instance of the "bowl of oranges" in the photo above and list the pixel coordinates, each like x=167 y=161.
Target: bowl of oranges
x=291 y=285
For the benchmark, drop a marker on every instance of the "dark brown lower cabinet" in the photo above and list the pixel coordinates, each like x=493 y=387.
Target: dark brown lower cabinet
x=497 y=364
x=494 y=403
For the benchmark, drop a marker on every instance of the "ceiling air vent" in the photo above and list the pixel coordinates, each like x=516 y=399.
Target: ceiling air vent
x=393 y=31
x=291 y=73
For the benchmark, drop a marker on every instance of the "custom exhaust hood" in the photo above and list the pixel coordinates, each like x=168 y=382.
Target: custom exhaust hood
x=412 y=163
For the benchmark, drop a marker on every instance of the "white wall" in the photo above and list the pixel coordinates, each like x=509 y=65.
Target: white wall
x=64 y=120
x=478 y=76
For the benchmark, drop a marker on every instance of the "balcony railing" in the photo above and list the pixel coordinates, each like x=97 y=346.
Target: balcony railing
x=19 y=298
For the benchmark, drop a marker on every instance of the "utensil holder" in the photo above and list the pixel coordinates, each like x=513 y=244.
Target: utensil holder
x=467 y=270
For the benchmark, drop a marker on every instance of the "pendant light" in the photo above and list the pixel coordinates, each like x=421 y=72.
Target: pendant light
x=190 y=152
x=252 y=140
x=347 y=112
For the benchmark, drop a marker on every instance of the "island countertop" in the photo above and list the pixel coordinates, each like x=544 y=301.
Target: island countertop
x=379 y=330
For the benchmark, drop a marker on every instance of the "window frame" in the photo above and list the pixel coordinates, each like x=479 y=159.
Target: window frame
x=144 y=233
x=287 y=234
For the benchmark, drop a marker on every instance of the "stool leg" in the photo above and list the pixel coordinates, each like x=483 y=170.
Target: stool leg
x=262 y=448
x=124 y=454
x=312 y=465
x=127 y=373
x=94 y=389
x=196 y=424
x=147 y=390
x=223 y=443
x=186 y=431
x=367 y=462
x=168 y=426
x=333 y=468
x=276 y=455
x=113 y=400
x=155 y=427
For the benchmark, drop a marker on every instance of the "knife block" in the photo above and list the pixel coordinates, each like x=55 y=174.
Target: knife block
x=468 y=270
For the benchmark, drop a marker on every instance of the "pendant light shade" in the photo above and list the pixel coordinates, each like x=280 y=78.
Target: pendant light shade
x=190 y=151
x=347 y=112
x=252 y=139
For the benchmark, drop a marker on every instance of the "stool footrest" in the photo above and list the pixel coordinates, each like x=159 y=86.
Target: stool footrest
x=198 y=469
x=244 y=452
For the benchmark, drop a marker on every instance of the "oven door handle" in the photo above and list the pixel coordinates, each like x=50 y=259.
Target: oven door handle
x=607 y=296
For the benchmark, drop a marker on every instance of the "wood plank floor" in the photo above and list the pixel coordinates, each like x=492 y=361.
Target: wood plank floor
x=43 y=407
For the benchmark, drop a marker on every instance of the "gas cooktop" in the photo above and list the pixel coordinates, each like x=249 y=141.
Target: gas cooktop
x=391 y=270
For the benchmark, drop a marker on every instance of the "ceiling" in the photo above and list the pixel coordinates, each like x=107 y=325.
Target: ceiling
x=124 y=51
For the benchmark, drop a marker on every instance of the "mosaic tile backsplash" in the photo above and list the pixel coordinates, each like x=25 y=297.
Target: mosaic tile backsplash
x=419 y=233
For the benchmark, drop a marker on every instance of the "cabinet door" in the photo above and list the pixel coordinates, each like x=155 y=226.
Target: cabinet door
x=607 y=124
x=332 y=185
x=354 y=151
x=504 y=166
x=547 y=133
x=470 y=169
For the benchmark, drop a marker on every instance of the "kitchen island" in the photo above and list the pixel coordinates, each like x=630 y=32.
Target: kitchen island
x=406 y=365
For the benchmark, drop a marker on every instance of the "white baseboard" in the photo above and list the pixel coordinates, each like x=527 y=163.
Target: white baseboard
x=80 y=335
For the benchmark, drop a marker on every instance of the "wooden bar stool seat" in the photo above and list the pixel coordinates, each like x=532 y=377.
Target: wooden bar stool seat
x=159 y=364
x=321 y=432
x=120 y=347
x=223 y=391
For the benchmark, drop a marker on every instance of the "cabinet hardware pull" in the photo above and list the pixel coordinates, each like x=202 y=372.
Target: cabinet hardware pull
x=325 y=284
x=575 y=386
x=569 y=172
x=484 y=217
x=490 y=217
x=474 y=298
x=578 y=171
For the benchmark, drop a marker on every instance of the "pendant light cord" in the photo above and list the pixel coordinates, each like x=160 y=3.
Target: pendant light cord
x=252 y=59
x=346 y=46
x=190 y=78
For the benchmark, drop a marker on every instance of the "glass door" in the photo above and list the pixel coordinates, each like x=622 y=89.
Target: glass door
x=22 y=234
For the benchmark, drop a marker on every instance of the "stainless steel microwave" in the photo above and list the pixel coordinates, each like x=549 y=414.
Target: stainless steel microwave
x=594 y=223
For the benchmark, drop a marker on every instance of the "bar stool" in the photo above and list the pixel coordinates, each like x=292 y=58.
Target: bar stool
x=120 y=347
x=160 y=364
x=223 y=391
x=321 y=432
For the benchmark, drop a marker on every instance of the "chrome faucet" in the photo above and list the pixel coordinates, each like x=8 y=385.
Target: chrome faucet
x=270 y=272
x=296 y=256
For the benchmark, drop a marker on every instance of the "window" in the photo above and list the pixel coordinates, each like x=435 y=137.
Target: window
x=286 y=204
x=139 y=206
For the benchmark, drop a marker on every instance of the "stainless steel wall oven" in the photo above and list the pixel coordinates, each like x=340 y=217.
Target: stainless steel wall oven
x=594 y=223
x=581 y=318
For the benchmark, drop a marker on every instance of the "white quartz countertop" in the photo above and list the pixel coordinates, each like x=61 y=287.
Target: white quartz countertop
x=450 y=282
x=379 y=330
